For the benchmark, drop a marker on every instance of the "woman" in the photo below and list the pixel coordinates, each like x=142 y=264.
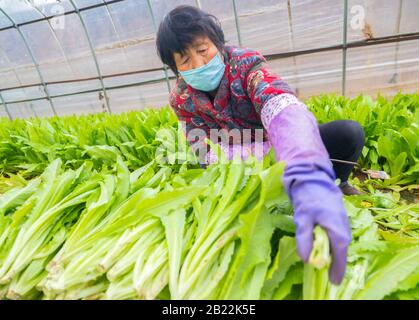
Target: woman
x=227 y=87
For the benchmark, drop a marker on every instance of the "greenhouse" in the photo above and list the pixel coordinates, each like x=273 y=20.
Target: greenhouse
x=209 y=150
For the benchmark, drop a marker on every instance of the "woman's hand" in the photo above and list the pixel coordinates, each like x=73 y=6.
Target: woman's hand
x=318 y=201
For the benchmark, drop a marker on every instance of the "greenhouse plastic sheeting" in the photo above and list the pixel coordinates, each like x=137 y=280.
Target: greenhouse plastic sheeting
x=82 y=52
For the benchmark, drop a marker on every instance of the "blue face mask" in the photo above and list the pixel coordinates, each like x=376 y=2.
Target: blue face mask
x=206 y=78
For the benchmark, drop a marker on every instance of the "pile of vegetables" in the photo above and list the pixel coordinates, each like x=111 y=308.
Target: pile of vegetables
x=93 y=214
x=120 y=235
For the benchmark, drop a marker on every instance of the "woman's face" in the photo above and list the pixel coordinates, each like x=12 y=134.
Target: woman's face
x=196 y=55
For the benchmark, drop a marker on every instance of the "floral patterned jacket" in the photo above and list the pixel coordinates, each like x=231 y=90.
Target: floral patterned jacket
x=246 y=86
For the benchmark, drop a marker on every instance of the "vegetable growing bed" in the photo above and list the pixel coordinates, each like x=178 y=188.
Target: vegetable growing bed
x=87 y=211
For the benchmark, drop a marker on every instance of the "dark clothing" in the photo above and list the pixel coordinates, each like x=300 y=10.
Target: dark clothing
x=344 y=140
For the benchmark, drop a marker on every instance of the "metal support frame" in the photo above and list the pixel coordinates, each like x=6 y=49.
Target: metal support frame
x=394 y=79
x=135 y=84
x=153 y=18
x=3 y=102
x=198 y=4
x=35 y=63
x=107 y=106
x=98 y=5
x=269 y=57
x=21 y=86
x=84 y=79
x=292 y=40
x=54 y=34
x=114 y=28
x=345 y=48
x=355 y=44
x=118 y=36
x=236 y=18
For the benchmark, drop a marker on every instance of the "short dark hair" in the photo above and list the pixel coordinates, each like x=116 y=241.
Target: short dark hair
x=179 y=29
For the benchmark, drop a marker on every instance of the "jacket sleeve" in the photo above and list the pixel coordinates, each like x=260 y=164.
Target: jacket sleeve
x=261 y=83
x=292 y=129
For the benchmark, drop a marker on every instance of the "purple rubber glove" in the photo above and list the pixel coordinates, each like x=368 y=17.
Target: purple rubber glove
x=308 y=179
